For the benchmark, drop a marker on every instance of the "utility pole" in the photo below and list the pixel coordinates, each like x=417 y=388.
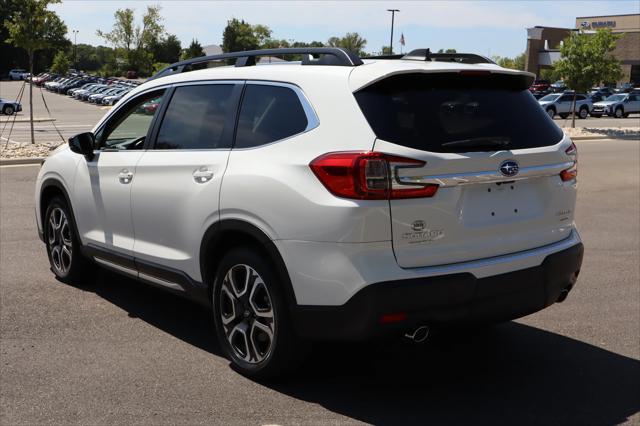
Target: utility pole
x=75 y=45
x=393 y=15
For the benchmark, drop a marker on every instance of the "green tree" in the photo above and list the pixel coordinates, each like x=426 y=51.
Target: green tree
x=550 y=74
x=60 y=63
x=193 y=51
x=351 y=41
x=32 y=28
x=135 y=41
x=239 y=35
x=166 y=50
x=586 y=60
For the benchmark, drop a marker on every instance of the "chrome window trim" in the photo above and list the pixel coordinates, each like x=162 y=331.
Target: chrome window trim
x=312 y=118
x=493 y=176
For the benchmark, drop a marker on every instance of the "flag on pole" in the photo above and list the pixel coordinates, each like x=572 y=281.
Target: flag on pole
x=402 y=39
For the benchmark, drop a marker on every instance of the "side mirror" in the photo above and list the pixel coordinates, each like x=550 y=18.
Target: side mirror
x=83 y=143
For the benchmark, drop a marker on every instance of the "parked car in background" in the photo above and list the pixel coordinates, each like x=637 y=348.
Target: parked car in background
x=85 y=86
x=558 y=87
x=97 y=97
x=560 y=103
x=618 y=105
x=540 y=85
x=84 y=94
x=17 y=74
x=9 y=107
x=602 y=91
x=41 y=79
x=113 y=99
x=624 y=88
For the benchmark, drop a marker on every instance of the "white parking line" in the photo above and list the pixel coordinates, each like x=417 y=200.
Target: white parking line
x=7 y=139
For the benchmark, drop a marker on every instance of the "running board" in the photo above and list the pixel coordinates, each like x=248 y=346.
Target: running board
x=139 y=275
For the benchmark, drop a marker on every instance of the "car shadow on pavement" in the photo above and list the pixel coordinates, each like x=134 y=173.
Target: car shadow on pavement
x=507 y=374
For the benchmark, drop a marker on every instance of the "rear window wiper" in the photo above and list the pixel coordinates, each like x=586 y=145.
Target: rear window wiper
x=488 y=141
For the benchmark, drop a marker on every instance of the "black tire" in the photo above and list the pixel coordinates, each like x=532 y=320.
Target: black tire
x=619 y=113
x=551 y=112
x=8 y=110
x=63 y=245
x=261 y=360
x=583 y=113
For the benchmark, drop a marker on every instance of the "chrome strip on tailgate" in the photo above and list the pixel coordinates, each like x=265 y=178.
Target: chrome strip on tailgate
x=492 y=176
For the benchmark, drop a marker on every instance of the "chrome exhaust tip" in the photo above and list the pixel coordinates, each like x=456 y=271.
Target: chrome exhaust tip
x=418 y=335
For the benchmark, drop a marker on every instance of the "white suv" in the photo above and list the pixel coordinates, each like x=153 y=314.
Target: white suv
x=330 y=198
x=560 y=103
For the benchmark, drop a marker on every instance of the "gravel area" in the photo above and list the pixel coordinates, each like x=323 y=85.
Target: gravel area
x=610 y=132
x=26 y=150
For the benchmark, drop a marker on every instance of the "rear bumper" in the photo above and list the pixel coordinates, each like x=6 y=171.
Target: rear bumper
x=454 y=299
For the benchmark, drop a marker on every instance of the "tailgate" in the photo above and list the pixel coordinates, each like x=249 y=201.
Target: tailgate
x=495 y=155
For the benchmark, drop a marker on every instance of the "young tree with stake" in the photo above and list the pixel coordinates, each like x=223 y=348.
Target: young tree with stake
x=586 y=60
x=33 y=28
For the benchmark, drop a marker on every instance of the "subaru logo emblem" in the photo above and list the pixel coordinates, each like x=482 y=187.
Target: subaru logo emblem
x=509 y=168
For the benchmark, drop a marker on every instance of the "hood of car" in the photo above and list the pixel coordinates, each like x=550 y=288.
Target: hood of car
x=605 y=103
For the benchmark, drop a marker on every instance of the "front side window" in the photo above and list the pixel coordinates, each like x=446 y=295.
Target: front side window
x=196 y=118
x=127 y=129
x=269 y=113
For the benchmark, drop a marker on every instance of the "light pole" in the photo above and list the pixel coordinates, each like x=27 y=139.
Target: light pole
x=75 y=44
x=393 y=15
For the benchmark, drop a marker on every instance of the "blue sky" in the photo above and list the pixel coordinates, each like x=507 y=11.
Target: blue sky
x=485 y=27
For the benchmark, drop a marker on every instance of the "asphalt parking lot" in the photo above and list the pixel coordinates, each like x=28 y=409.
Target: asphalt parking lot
x=74 y=116
x=116 y=351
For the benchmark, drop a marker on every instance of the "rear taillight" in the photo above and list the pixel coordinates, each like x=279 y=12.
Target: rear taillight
x=572 y=172
x=367 y=176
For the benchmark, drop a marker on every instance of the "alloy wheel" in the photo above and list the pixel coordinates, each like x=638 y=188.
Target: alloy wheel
x=60 y=242
x=247 y=314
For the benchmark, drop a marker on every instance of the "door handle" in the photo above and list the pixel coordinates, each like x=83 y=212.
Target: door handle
x=125 y=176
x=202 y=175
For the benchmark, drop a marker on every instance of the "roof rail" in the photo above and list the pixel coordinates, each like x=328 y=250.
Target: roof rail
x=464 y=58
x=333 y=56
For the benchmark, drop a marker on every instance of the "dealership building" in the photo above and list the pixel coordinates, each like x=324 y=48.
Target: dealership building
x=543 y=43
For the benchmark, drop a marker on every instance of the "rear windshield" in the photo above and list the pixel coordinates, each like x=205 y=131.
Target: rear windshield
x=449 y=112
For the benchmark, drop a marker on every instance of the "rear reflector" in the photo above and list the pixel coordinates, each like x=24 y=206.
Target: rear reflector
x=391 y=318
x=367 y=176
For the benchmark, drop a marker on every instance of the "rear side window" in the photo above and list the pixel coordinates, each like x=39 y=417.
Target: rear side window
x=269 y=113
x=196 y=118
x=447 y=112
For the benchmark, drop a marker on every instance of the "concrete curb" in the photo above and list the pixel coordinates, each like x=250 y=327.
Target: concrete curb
x=26 y=120
x=20 y=161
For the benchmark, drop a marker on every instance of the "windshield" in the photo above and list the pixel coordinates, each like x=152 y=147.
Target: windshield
x=549 y=98
x=616 y=98
x=431 y=111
